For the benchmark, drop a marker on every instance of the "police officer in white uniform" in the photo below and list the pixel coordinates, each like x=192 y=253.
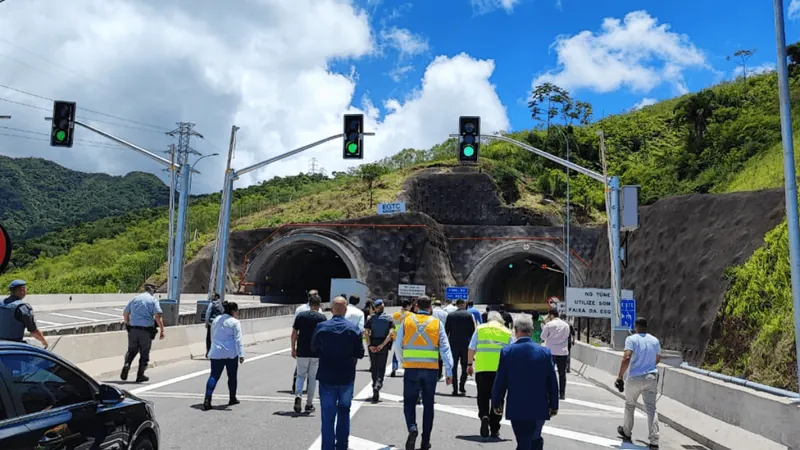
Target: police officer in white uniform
x=16 y=315
x=141 y=315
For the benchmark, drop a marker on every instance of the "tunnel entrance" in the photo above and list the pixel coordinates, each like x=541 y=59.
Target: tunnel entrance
x=523 y=281
x=297 y=268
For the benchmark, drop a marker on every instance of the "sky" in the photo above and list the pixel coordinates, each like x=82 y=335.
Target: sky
x=285 y=72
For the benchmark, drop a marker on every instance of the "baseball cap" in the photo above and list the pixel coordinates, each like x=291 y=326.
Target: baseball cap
x=378 y=302
x=17 y=283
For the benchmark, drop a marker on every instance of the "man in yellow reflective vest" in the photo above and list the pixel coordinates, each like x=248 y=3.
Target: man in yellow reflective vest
x=483 y=360
x=399 y=317
x=421 y=340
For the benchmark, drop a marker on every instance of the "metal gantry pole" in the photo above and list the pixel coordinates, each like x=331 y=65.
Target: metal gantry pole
x=789 y=171
x=569 y=223
x=219 y=266
x=171 y=250
x=176 y=271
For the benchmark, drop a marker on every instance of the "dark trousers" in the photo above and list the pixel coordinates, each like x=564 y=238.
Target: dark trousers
x=561 y=366
x=485 y=382
x=208 y=340
x=139 y=342
x=231 y=366
x=414 y=382
x=460 y=356
x=378 y=361
x=528 y=434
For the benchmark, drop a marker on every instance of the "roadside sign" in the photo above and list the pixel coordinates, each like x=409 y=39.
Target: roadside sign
x=456 y=293
x=391 y=208
x=5 y=248
x=410 y=290
x=594 y=303
x=627 y=312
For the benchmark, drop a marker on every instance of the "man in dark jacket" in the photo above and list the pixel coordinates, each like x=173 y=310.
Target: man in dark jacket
x=460 y=326
x=214 y=309
x=527 y=374
x=378 y=330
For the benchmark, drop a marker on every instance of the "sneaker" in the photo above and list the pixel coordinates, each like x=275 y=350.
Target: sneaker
x=484 y=426
x=621 y=432
x=310 y=409
x=298 y=404
x=411 y=440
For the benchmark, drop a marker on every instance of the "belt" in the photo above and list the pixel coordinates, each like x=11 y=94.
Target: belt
x=141 y=328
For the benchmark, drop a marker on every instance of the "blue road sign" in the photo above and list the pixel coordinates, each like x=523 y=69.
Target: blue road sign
x=456 y=293
x=627 y=309
x=391 y=208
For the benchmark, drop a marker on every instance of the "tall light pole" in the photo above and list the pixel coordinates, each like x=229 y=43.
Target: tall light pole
x=568 y=221
x=789 y=171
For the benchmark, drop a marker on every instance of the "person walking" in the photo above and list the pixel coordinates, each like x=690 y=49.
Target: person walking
x=641 y=358
x=537 y=327
x=460 y=327
x=378 y=330
x=339 y=345
x=302 y=308
x=440 y=314
x=307 y=360
x=526 y=387
x=421 y=340
x=475 y=313
x=16 y=316
x=355 y=315
x=214 y=309
x=483 y=359
x=227 y=352
x=399 y=317
x=450 y=307
x=556 y=336
x=141 y=315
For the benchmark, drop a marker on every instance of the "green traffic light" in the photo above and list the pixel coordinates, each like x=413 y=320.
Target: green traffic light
x=469 y=151
x=352 y=147
x=61 y=135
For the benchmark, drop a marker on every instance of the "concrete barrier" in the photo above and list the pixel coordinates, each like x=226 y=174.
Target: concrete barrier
x=719 y=415
x=64 y=299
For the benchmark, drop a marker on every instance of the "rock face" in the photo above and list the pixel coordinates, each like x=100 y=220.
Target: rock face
x=678 y=257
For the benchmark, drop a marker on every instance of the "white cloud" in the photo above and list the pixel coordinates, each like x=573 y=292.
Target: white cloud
x=263 y=66
x=408 y=44
x=645 y=102
x=636 y=53
x=794 y=9
x=487 y=6
x=755 y=70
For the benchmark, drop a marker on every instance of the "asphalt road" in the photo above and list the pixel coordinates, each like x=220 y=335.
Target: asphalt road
x=265 y=418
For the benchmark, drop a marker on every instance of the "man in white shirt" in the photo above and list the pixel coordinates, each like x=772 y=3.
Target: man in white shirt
x=449 y=306
x=556 y=334
x=354 y=314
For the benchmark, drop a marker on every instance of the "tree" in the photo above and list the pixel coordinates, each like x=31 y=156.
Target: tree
x=369 y=174
x=743 y=55
x=547 y=101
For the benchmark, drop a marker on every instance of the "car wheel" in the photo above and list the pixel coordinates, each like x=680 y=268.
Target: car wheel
x=143 y=444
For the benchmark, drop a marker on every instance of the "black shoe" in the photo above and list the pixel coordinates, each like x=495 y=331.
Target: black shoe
x=393 y=374
x=455 y=393
x=621 y=432
x=298 y=404
x=425 y=446
x=411 y=441
x=562 y=396
x=495 y=434
x=463 y=390
x=233 y=401
x=207 y=403
x=310 y=409
x=653 y=446
x=141 y=378
x=124 y=374
x=376 y=395
x=484 y=426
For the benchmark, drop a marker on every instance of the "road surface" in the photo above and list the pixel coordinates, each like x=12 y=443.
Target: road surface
x=587 y=420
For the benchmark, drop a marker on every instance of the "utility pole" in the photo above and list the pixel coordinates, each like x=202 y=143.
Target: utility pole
x=171 y=249
x=219 y=265
x=184 y=132
x=789 y=171
x=313 y=166
x=616 y=336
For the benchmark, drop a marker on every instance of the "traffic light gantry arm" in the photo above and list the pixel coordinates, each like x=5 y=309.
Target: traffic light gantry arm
x=291 y=153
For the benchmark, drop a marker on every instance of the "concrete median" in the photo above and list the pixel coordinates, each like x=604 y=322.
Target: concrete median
x=720 y=415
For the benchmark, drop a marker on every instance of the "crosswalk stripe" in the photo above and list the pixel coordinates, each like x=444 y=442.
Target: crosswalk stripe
x=99 y=313
x=74 y=317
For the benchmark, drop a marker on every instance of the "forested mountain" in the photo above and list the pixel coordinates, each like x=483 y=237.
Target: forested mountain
x=38 y=196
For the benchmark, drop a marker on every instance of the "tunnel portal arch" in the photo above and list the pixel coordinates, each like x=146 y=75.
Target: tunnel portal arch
x=285 y=269
x=491 y=278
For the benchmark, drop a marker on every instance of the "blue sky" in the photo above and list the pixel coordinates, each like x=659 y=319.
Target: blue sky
x=519 y=41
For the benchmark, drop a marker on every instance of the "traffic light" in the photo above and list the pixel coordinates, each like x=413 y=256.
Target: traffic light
x=63 y=124
x=353 y=139
x=469 y=128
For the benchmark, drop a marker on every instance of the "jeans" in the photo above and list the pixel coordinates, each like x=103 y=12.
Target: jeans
x=208 y=340
x=395 y=363
x=528 y=434
x=231 y=366
x=378 y=361
x=335 y=403
x=460 y=355
x=561 y=366
x=414 y=382
x=306 y=370
x=485 y=382
x=647 y=387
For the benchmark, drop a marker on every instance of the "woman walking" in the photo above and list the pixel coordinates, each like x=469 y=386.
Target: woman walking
x=226 y=352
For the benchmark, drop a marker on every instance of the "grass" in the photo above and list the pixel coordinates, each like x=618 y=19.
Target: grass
x=762 y=171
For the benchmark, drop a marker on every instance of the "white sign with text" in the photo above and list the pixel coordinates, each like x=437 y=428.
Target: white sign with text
x=410 y=290
x=594 y=303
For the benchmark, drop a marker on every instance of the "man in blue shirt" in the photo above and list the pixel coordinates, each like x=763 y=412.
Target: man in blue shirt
x=475 y=313
x=140 y=316
x=641 y=358
x=339 y=345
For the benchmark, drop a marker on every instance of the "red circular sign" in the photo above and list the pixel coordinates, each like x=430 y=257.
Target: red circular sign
x=5 y=249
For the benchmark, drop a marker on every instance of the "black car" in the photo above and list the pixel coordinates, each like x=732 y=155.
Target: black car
x=46 y=403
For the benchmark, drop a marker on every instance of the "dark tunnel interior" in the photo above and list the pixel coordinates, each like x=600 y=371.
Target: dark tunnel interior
x=292 y=272
x=523 y=282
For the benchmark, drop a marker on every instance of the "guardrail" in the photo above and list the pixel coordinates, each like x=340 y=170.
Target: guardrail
x=742 y=382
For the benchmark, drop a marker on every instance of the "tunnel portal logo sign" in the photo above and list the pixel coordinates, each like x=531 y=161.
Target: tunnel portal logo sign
x=5 y=248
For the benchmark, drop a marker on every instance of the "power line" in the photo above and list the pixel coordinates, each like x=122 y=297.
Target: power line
x=20 y=130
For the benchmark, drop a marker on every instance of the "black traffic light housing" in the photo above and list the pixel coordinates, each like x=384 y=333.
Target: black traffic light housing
x=469 y=130
x=353 y=137
x=63 y=124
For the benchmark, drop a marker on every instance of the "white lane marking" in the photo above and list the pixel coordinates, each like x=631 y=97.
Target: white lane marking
x=116 y=316
x=199 y=373
x=47 y=323
x=599 y=406
x=119 y=309
x=88 y=319
x=190 y=395
x=354 y=407
x=356 y=443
